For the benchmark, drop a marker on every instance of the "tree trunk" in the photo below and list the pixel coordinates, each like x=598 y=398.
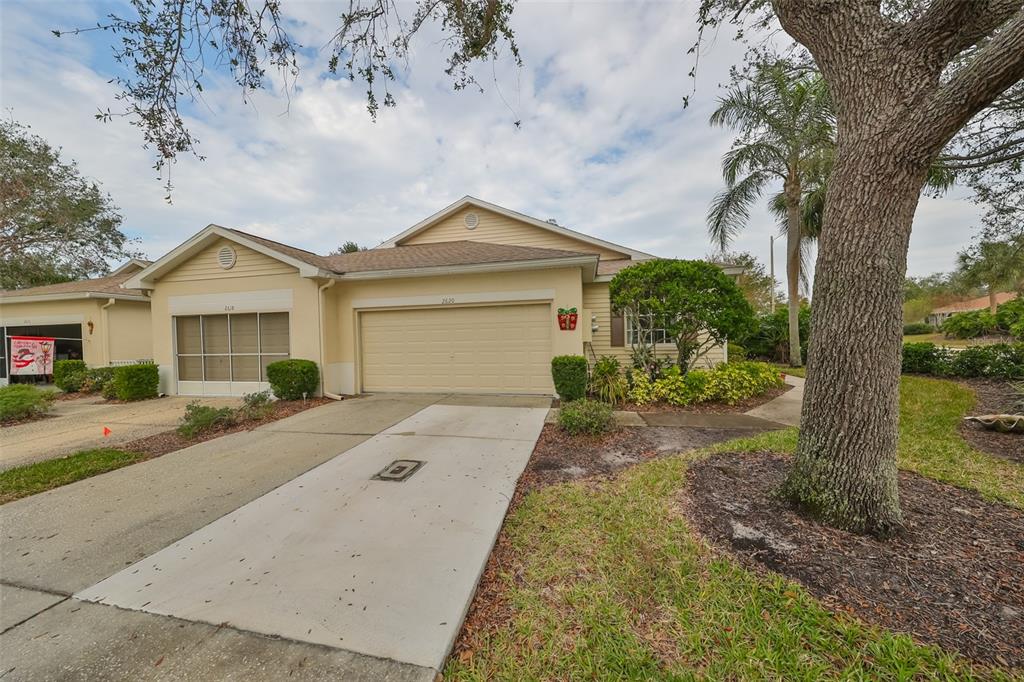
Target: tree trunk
x=793 y=225
x=845 y=467
x=993 y=306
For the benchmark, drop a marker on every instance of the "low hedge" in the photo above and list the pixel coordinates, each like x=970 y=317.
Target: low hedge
x=99 y=380
x=293 y=379
x=727 y=383
x=569 y=372
x=585 y=416
x=22 y=401
x=995 y=361
x=136 y=382
x=69 y=375
x=915 y=328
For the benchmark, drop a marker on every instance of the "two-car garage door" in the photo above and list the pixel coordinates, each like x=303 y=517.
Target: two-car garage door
x=486 y=349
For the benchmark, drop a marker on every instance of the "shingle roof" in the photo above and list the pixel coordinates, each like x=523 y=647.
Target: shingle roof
x=612 y=267
x=979 y=303
x=292 y=251
x=440 y=254
x=98 y=285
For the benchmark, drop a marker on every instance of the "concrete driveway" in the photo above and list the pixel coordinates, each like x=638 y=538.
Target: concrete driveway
x=351 y=578
x=78 y=425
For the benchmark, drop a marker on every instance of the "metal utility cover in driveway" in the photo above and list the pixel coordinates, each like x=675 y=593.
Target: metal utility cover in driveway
x=334 y=558
x=399 y=470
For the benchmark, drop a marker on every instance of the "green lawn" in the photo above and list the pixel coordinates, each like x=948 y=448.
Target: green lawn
x=609 y=582
x=35 y=478
x=940 y=339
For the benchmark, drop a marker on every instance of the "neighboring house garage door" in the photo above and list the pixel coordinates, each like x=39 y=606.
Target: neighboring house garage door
x=492 y=349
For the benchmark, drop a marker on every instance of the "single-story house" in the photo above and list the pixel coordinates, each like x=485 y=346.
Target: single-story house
x=940 y=315
x=97 y=320
x=466 y=300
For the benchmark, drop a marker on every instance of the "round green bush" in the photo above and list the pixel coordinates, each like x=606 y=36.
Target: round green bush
x=293 y=379
x=569 y=373
x=69 y=375
x=916 y=328
x=585 y=416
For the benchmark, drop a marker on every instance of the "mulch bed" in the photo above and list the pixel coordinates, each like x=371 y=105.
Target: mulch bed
x=994 y=397
x=169 y=441
x=558 y=458
x=954 y=577
x=742 y=406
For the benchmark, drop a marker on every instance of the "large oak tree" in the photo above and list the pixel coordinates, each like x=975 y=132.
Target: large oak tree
x=906 y=76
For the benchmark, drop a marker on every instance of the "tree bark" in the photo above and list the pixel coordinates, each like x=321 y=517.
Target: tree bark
x=993 y=306
x=894 y=114
x=793 y=225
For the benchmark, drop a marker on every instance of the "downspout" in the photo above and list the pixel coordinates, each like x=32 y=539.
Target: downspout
x=320 y=309
x=105 y=319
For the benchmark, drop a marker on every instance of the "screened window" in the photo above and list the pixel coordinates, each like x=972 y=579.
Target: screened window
x=633 y=331
x=230 y=347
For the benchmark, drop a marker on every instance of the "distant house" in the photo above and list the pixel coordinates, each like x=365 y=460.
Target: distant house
x=940 y=315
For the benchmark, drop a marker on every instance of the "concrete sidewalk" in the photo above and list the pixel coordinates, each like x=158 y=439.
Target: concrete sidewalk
x=78 y=425
x=786 y=408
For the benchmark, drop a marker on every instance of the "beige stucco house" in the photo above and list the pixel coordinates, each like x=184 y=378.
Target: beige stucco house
x=97 y=320
x=464 y=301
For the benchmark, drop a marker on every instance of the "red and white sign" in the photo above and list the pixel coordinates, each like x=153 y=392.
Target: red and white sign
x=31 y=355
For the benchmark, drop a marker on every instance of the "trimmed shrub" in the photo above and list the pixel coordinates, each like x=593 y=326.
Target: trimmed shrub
x=69 y=375
x=22 y=401
x=199 y=418
x=1010 y=317
x=677 y=388
x=915 y=328
x=924 y=358
x=736 y=352
x=607 y=381
x=569 y=372
x=136 y=382
x=996 y=361
x=97 y=379
x=293 y=379
x=585 y=416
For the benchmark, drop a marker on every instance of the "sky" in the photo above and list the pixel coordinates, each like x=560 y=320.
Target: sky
x=604 y=145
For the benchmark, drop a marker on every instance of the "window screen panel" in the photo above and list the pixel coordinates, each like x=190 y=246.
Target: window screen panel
x=190 y=368
x=244 y=334
x=245 y=367
x=274 y=332
x=189 y=339
x=218 y=367
x=215 y=334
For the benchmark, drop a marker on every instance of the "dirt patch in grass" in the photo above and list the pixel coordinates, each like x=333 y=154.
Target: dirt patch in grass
x=558 y=458
x=954 y=578
x=993 y=397
x=169 y=441
x=742 y=406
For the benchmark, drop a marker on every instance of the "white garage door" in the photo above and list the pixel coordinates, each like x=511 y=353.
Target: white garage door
x=493 y=349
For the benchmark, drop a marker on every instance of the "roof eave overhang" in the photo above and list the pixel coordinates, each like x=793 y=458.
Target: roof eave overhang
x=146 y=279
x=587 y=263
x=41 y=298
x=487 y=206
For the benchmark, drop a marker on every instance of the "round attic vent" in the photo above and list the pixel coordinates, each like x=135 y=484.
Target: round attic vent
x=472 y=220
x=226 y=257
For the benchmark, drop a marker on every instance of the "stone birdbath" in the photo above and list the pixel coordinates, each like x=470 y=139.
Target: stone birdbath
x=1004 y=423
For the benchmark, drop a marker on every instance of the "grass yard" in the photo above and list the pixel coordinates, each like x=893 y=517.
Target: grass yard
x=607 y=580
x=939 y=339
x=39 y=476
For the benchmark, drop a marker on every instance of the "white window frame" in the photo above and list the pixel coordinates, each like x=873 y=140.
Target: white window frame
x=659 y=337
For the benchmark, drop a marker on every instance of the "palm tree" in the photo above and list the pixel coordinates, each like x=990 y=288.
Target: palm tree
x=994 y=265
x=785 y=125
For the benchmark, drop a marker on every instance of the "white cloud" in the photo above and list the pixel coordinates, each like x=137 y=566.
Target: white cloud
x=601 y=81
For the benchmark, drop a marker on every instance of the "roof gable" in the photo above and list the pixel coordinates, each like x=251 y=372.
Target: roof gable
x=308 y=264
x=492 y=223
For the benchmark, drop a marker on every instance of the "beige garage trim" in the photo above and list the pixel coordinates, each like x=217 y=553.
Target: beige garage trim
x=471 y=349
